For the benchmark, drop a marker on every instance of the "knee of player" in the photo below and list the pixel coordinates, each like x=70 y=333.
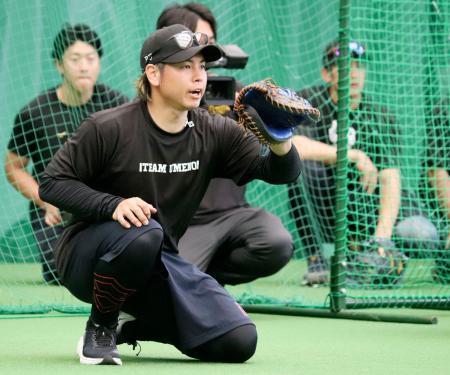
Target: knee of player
x=272 y=263
x=145 y=247
x=243 y=347
x=281 y=249
x=235 y=346
x=417 y=228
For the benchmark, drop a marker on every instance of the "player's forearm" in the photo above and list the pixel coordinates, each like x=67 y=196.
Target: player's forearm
x=276 y=169
x=310 y=149
x=390 y=199
x=440 y=182
x=24 y=183
x=77 y=198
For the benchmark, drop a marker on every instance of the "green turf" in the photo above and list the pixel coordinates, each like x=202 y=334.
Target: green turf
x=287 y=345
x=21 y=287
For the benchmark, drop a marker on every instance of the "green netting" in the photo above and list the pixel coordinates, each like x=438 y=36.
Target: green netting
x=407 y=80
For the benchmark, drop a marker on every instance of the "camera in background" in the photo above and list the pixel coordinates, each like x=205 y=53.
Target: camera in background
x=220 y=90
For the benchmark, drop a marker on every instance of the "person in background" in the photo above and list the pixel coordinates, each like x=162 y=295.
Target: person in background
x=376 y=210
x=437 y=170
x=228 y=239
x=46 y=122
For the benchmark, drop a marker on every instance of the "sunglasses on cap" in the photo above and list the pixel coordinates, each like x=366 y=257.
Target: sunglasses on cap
x=356 y=49
x=187 y=39
x=181 y=41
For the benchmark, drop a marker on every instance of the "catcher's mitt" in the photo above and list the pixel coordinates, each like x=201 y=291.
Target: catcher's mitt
x=271 y=112
x=367 y=269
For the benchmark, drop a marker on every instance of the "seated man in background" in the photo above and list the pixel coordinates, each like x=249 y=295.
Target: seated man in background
x=437 y=173
x=375 y=211
x=45 y=123
x=227 y=239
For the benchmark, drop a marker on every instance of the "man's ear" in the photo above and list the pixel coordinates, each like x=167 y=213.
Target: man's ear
x=153 y=74
x=59 y=67
x=326 y=75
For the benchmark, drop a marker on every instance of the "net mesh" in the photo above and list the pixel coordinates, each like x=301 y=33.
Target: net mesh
x=402 y=126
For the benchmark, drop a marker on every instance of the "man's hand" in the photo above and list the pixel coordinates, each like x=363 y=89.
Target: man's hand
x=134 y=211
x=447 y=244
x=368 y=170
x=52 y=215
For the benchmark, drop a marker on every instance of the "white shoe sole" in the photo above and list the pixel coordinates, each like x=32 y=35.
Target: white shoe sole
x=108 y=360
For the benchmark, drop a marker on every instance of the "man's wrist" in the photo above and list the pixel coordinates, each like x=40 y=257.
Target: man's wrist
x=40 y=203
x=383 y=233
x=281 y=149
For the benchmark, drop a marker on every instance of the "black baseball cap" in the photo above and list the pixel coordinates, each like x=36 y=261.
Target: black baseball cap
x=332 y=52
x=163 y=47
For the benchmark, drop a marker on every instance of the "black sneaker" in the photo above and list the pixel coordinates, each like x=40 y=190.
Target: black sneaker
x=124 y=329
x=98 y=345
x=318 y=272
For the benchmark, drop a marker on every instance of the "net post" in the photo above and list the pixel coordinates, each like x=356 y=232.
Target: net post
x=351 y=315
x=337 y=272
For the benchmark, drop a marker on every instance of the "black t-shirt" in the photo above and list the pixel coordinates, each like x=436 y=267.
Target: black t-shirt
x=371 y=129
x=222 y=195
x=44 y=124
x=121 y=153
x=438 y=137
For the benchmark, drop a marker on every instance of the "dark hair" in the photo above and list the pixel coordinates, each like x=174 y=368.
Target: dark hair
x=203 y=12
x=187 y=15
x=331 y=53
x=70 y=34
x=177 y=14
x=143 y=86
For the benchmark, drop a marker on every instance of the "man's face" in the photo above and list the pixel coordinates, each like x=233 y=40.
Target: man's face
x=205 y=28
x=80 y=66
x=182 y=85
x=357 y=81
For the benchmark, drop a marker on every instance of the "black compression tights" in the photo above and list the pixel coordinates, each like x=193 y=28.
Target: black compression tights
x=116 y=280
x=235 y=346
